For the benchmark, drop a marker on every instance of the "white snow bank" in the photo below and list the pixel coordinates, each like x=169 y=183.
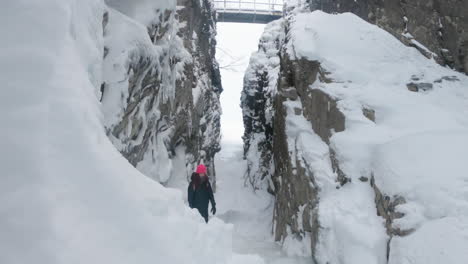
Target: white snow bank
x=142 y=11
x=440 y=241
x=429 y=170
x=350 y=231
x=236 y=202
x=66 y=194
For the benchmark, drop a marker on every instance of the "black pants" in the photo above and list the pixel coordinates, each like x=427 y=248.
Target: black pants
x=204 y=213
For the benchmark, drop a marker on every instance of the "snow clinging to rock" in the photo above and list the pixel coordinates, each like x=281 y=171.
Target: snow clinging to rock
x=357 y=115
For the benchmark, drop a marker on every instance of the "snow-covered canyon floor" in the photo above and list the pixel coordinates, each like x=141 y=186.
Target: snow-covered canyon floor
x=250 y=212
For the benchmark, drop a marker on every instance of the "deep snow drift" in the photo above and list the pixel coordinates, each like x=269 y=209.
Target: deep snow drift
x=67 y=195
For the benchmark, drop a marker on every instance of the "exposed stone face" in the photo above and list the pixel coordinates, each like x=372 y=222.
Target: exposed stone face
x=439 y=25
x=305 y=91
x=386 y=207
x=172 y=98
x=296 y=194
x=369 y=113
x=257 y=102
x=319 y=108
x=203 y=74
x=258 y=131
x=293 y=181
x=416 y=87
x=296 y=189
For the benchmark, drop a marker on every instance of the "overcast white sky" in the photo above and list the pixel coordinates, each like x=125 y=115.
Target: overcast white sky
x=235 y=44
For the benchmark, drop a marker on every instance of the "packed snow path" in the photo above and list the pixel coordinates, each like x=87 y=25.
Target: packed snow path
x=249 y=212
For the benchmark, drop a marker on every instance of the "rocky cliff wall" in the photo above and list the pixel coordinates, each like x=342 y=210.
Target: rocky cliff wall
x=320 y=113
x=162 y=86
x=273 y=114
x=441 y=26
x=257 y=102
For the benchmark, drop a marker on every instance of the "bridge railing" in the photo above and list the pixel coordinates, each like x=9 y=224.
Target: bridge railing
x=249 y=6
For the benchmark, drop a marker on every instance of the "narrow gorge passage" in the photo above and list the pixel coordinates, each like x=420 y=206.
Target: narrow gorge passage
x=250 y=212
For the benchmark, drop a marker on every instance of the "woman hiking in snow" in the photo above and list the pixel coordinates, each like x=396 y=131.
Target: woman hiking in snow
x=200 y=192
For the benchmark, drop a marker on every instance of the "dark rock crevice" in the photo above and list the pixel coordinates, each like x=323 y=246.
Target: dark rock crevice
x=386 y=207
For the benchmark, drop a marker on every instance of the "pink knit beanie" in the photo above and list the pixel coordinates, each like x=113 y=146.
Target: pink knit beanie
x=201 y=169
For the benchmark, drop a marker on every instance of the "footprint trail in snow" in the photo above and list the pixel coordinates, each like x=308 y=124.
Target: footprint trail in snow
x=249 y=212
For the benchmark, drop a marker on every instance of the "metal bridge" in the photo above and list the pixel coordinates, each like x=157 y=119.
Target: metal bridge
x=248 y=11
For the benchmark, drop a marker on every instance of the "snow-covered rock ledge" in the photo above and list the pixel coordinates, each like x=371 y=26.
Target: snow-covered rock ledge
x=161 y=86
x=436 y=28
x=351 y=141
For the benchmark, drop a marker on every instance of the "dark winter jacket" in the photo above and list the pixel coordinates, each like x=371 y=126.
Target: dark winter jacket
x=200 y=194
